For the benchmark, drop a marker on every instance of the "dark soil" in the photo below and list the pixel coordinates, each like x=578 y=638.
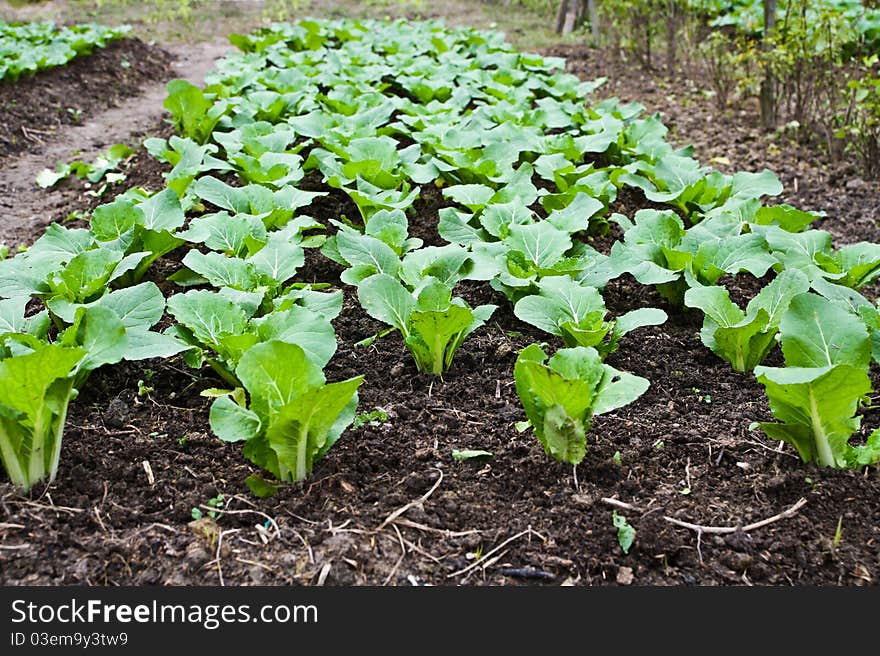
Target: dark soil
x=34 y=109
x=134 y=466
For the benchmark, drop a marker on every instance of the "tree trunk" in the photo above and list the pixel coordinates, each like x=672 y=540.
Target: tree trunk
x=560 y=16
x=593 y=14
x=571 y=17
x=671 y=35
x=768 y=84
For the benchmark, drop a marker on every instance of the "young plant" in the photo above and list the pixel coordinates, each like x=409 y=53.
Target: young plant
x=38 y=380
x=577 y=312
x=192 y=112
x=815 y=397
x=433 y=323
x=294 y=415
x=35 y=390
x=94 y=172
x=221 y=329
x=815 y=409
x=144 y=226
x=251 y=260
x=378 y=249
x=811 y=252
x=657 y=250
x=187 y=158
x=745 y=338
x=66 y=268
x=560 y=396
x=275 y=208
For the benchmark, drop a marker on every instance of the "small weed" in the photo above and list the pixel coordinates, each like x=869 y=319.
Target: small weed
x=626 y=534
x=838 y=533
x=217 y=502
x=373 y=418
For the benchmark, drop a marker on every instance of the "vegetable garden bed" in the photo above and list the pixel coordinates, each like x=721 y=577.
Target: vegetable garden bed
x=390 y=502
x=33 y=109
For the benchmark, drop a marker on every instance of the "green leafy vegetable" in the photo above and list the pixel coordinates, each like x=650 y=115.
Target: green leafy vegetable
x=745 y=338
x=193 y=113
x=561 y=396
x=815 y=408
x=220 y=331
x=433 y=323
x=577 y=314
x=294 y=415
x=35 y=390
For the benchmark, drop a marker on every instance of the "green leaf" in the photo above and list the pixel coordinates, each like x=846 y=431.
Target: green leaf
x=101 y=333
x=49 y=178
x=35 y=389
x=385 y=299
x=618 y=388
x=541 y=244
x=279 y=259
x=162 y=211
x=13 y=319
x=473 y=196
x=217 y=192
x=260 y=487
x=138 y=307
x=468 y=454
x=626 y=534
x=786 y=217
x=755 y=185
x=816 y=332
x=208 y=315
x=776 y=297
x=231 y=422
x=454 y=227
x=222 y=271
x=275 y=373
x=576 y=216
x=816 y=408
x=145 y=344
x=113 y=221
x=298 y=325
x=640 y=318
x=366 y=256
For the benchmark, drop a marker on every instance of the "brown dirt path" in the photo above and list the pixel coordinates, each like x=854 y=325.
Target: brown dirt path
x=25 y=208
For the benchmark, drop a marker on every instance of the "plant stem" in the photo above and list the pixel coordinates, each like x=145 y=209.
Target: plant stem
x=824 y=455
x=223 y=372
